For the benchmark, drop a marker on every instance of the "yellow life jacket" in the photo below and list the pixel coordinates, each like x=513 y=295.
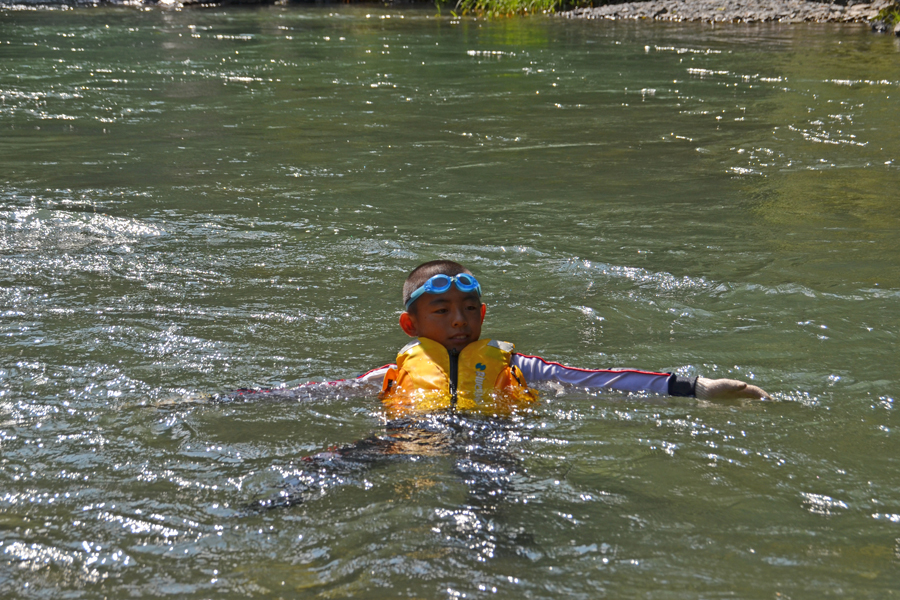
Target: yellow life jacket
x=486 y=381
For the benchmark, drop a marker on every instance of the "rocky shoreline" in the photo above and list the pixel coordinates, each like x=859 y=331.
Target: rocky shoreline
x=737 y=11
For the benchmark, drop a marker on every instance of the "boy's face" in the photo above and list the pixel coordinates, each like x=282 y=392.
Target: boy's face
x=453 y=318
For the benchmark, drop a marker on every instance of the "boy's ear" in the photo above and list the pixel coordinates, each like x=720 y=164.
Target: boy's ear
x=483 y=310
x=408 y=324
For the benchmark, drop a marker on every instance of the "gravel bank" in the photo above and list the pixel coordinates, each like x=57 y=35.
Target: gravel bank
x=735 y=11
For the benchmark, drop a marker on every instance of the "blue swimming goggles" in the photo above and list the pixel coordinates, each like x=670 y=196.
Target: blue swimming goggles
x=440 y=283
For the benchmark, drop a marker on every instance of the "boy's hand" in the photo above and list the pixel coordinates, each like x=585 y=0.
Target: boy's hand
x=727 y=389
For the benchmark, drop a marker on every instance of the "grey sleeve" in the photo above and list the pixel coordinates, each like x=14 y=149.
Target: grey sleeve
x=536 y=369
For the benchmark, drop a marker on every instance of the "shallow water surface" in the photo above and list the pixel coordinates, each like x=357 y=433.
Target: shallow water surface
x=194 y=202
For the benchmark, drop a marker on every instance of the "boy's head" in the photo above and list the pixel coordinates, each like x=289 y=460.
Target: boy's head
x=451 y=316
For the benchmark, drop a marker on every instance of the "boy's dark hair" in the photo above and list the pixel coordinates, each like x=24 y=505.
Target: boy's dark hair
x=426 y=271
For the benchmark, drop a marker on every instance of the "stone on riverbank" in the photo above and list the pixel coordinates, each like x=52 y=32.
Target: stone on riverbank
x=735 y=11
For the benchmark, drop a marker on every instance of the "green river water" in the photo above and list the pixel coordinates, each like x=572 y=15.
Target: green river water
x=198 y=201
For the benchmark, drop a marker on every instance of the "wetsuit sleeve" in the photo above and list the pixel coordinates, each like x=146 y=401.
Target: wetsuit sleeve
x=375 y=375
x=537 y=369
x=313 y=390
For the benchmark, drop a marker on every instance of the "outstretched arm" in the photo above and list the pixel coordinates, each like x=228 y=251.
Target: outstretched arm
x=367 y=383
x=536 y=369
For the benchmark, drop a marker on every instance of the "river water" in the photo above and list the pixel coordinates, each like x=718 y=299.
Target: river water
x=194 y=202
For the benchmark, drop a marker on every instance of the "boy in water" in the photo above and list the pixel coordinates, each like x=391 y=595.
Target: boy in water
x=449 y=366
x=450 y=371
